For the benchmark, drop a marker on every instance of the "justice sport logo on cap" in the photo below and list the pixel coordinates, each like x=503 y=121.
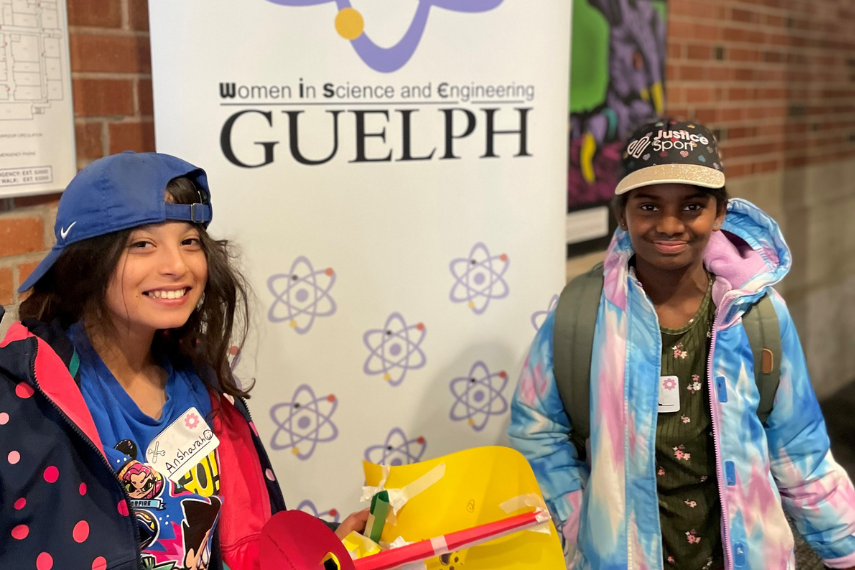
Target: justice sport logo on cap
x=671 y=152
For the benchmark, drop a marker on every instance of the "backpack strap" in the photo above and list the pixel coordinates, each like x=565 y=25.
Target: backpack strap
x=761 y=326
x=573 y=345
x=572 y=348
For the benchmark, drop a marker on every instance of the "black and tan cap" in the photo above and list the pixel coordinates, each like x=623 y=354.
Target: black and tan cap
x=671 y=152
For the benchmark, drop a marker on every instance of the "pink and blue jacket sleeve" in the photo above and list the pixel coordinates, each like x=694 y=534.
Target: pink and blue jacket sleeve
x=816 y=492
x=540 y=430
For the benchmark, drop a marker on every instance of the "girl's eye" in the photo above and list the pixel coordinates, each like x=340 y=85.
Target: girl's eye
x=694 y=207
x=195 y=242
x=140 y=244
x=648 y=208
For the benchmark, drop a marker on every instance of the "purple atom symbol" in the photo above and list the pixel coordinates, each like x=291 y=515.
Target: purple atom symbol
x=305 y=419
x=398 y=450
x=395 y=349
x=350 y=25
x=538 y=317
x=308 y=506
x=479 y=396
x=301 y=295
x=479 y=278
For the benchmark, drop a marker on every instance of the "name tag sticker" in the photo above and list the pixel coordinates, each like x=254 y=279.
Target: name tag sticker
x=181 y=446
x=669 y=394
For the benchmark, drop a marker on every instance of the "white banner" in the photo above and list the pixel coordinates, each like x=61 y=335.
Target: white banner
x=395 y=175
x=36 y=118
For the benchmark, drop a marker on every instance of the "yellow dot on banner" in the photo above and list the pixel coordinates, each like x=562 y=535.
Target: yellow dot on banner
x=293 y=324
x=471 y=305
x=471 y=422
x=387 y=377
x=349 y=24
x=295 y=450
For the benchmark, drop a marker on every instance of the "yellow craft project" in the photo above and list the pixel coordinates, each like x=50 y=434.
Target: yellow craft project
x=476 y=487
x=359 y=546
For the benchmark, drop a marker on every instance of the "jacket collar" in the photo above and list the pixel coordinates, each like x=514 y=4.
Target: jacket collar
x=49 y=374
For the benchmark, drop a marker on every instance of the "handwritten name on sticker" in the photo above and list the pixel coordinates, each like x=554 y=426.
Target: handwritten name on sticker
x=182 y=445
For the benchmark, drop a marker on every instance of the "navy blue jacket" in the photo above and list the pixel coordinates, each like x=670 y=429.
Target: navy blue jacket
x=61 y=502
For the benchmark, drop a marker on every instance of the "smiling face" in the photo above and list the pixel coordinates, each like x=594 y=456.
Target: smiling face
x=159 y=279
x=670 y=225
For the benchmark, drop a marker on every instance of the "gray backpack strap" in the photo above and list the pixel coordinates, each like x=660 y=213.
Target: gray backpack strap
x=572 y=348
x=764 y=336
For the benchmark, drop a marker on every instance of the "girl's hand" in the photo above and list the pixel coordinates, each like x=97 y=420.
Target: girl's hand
x=354 y=522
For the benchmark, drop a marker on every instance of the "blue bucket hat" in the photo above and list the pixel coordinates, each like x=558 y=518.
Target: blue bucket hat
x=119 y=192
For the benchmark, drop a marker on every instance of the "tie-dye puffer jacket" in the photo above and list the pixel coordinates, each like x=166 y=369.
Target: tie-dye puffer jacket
x=608 y=508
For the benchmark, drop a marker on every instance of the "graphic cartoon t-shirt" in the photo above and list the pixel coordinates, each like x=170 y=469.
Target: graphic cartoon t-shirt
x=176 y=519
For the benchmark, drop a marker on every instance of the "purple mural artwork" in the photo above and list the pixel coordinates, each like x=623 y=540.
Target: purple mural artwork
x=634 y=95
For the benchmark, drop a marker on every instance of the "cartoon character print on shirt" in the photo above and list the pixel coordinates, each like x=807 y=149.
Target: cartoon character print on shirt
x=142 y=482
x=144 y=486
x=200 y=520
x=148 y=562
x=202 y=480
x=187 y=544
x=147 y=526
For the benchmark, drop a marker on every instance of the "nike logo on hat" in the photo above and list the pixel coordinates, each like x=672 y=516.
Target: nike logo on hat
x=63 y=232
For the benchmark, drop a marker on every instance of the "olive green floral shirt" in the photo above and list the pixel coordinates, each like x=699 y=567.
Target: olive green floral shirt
x=689 y=505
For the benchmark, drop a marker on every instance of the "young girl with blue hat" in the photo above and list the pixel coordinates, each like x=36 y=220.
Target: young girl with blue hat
x=125 y=441
x=681 y=443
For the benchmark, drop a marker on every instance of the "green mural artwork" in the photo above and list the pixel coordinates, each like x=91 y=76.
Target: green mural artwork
x=617 y=84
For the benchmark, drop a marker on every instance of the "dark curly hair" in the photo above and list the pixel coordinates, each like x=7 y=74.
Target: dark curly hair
x=76 y=286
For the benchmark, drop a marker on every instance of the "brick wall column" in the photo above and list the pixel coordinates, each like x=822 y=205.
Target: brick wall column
x=775 y=79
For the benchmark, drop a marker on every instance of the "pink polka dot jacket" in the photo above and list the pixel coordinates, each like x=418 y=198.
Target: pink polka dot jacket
x=62 y=506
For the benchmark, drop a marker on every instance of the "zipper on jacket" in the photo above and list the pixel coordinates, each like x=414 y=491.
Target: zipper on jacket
x=98 y=452
x=246 y=406
x=259 y=451
x=658 y=337
x=728 y=555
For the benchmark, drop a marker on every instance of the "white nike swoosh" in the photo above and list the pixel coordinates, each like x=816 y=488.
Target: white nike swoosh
x=64 y=231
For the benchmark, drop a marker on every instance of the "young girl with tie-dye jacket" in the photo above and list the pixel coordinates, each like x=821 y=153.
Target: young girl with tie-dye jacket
x=680 y=470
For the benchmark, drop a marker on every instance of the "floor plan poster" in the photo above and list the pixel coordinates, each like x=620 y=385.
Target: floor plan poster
x=617 y=84
x=36 y=118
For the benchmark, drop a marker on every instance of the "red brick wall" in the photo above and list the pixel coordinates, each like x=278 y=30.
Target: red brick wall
x=111 y=85
x=775 y=78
